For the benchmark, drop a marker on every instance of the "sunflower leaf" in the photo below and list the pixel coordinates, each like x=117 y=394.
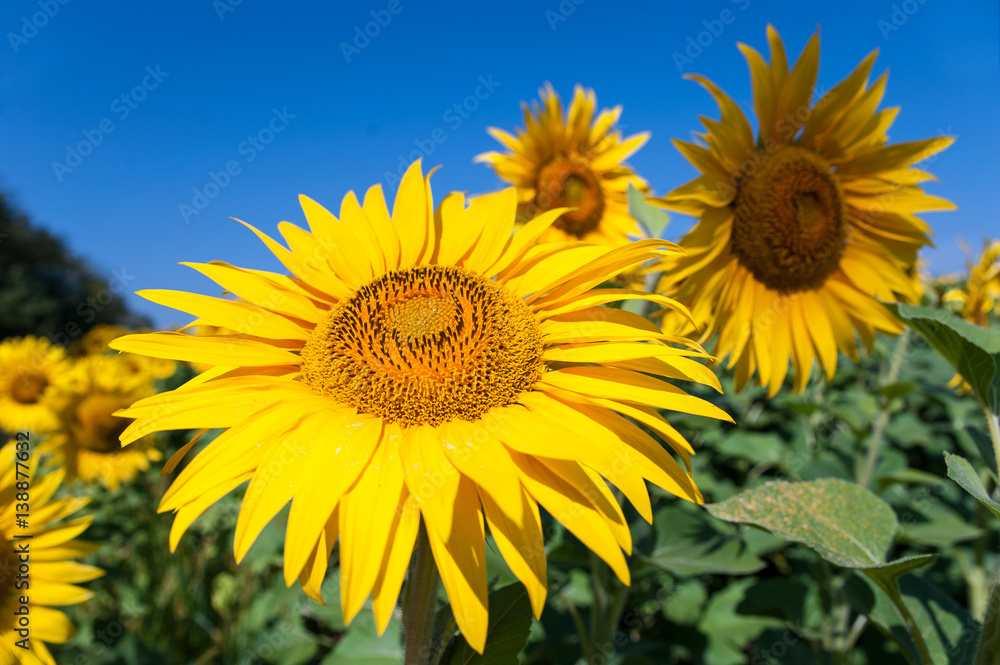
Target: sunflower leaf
x=687 y=543
x=362 y=645
x=510 y=623
x=974 y=352
x=652 y=219
x=962 y=472
x=949 y=632
x=844 y=522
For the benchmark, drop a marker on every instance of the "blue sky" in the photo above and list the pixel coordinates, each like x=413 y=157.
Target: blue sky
x=171 y=93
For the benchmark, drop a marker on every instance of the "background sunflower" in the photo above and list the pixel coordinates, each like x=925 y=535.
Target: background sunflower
x=571 y=160
x=52 y=545
x=803 y=228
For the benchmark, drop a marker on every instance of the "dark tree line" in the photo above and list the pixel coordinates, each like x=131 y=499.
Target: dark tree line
x=48 y=291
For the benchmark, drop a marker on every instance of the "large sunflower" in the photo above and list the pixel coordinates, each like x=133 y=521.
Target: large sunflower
x=51 y=575
x=803 y=227
x=87 y=439
x=576 y=162
x=429 y=365
x=30 y=369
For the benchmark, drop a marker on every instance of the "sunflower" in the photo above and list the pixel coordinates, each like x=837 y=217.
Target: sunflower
x=803 y=227
x=426 y=365
x=981 y=293
x=50 y=545
x=96 y=340
x=30 y=368
x=204 y=331
x=87 y=439
x=559 y=161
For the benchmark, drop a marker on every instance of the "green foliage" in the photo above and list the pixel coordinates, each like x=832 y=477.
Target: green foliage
x=962 y=473
x=510 y=621
x=844 y=522
x=703 y=590
x=653 y=220
x=973 y=351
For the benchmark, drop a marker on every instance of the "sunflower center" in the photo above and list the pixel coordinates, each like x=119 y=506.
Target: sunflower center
x=94 y=427
x=425 y=345
x=566 y=183
x=28 y=387
x=789 y=226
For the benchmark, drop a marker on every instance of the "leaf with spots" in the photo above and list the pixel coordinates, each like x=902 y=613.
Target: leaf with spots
x=844 y=522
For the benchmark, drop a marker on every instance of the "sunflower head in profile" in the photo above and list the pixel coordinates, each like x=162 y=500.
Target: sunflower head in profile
x=980 y=294
x=52 y=547
x=30 y=370
x=87 y=440
x=571 y=161
x=802 y=228
x=425 y=365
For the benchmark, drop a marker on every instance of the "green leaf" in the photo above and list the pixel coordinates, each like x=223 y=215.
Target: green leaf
x=727 y=631
x=984 y=445
x=362 y=645
x=579 y=591
x=688 y=544
x=654 y=220
x=973 y=351
x=510 y=623
x=759 y=447
x=939 y=525
x=965 y=475
x=683 y=606
x=844 y=522
x=949 y=632
x=887 y=575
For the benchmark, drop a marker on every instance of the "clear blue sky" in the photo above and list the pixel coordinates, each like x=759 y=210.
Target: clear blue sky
x=213 y=78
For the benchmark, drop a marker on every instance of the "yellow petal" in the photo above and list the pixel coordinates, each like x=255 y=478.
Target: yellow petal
x=367 y=513
x=461 y=560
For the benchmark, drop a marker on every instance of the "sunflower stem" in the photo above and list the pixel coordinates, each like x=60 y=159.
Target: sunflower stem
x=420 y=602
x=867 y=473
x=989 y=639
x=599 y=608
x=993 y=425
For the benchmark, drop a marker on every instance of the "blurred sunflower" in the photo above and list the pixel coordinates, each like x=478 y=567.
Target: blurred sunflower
x=981 y=292
x=425 y=365
x=30 y=369
x=97 y=338
x=979 y=296
x=143 y=368
x=803 y=228
x=86 y=442
x=51 y=548
x=572 y=161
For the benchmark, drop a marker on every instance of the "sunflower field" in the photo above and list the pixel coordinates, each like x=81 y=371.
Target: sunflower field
x=536 y=425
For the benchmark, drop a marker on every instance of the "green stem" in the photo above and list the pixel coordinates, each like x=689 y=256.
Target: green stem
x=989 y=640
x=420 y=602
x=584 y=644
x=449 y=629
x=867 y=473
x=993 y=425
x=925 y=654
x=617 y=608
x=599 y=608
